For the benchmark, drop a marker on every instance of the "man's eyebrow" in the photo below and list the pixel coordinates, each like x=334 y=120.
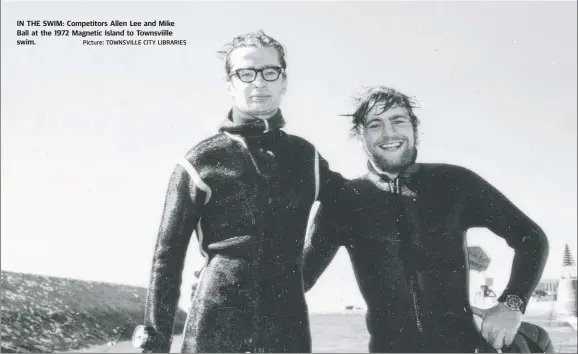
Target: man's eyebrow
x=400 y=115
x=267 y=66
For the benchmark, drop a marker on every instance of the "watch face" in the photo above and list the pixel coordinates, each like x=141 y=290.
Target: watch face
x=514 y=302
x=139 y=336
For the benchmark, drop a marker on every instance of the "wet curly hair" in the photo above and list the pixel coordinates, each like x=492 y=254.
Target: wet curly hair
x=370 y=96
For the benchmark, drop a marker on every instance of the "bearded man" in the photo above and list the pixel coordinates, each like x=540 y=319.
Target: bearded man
x=405 y=230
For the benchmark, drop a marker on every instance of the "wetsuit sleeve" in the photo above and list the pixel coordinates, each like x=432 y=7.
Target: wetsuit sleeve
x=322 y=241
x=183 y=203
x=487 y=207
x=324 y=233
x=330 y=184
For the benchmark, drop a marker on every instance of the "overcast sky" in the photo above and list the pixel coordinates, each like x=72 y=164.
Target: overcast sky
x=90 y=135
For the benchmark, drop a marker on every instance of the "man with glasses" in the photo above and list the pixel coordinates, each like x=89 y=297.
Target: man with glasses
x=405 y=231
x=247 y=191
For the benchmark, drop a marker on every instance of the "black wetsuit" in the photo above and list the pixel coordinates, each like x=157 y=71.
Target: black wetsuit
x=248 y=191
x=407 y=242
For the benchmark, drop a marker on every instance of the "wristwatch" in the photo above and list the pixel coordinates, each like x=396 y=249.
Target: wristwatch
x=142 y=336
x=514 y=303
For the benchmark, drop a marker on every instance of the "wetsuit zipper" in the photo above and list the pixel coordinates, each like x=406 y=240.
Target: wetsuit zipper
x=395 y=187
x=254 y=343
x=259 y=343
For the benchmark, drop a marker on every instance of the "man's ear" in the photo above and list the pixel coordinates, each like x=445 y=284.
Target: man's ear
x=231 y=88
x=284 y=87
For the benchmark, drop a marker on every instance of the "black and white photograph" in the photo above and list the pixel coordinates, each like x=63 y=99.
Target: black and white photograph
x=288 y=176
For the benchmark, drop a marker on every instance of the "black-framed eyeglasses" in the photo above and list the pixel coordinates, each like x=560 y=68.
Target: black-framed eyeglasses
x=249 y=75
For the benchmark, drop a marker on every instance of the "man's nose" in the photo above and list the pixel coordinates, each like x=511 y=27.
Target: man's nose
x=259 y=81
x=389 y=130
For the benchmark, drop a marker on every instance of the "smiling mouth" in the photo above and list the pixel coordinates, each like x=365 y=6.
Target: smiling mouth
x=391 y=146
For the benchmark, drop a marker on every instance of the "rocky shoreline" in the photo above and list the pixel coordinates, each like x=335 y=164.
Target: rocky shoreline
x=50 y=314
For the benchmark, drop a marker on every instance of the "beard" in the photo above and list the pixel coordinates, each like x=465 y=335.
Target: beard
x=397 y=163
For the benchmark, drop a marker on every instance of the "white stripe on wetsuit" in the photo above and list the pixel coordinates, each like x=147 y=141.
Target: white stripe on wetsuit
x=266 y=125
x=237 y=138
x=205 y=188
x=200 y=237
x=316 y=175
x=199 y=230
x=196 y=178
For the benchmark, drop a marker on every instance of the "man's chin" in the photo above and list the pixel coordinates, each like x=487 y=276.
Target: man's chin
x=257 y=109
x=392 y=166
x=395 y=168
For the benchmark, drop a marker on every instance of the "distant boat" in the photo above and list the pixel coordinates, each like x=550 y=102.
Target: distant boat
x=353 y=308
